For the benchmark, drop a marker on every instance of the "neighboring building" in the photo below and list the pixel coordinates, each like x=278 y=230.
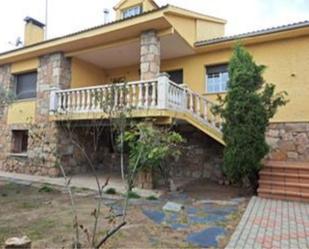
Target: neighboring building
x=62 y=75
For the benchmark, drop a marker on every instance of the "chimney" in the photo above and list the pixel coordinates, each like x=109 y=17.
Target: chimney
x=34 y=31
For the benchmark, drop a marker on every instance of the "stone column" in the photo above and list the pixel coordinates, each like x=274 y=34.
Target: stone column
x=54 y=72
x=6 y=82
x=150 y=55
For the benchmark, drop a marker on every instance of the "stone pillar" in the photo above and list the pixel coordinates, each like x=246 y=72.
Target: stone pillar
x=6 y=82
x=54 y=72
x=150 y=55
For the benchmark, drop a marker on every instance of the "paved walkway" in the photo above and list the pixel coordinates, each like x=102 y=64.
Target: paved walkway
x=272 y=224
x=79 y=181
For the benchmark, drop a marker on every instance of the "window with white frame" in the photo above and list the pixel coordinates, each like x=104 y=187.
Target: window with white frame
x=217 y=78
x=133 y=11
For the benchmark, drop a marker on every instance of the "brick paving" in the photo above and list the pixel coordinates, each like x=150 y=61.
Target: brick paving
x=272 y=224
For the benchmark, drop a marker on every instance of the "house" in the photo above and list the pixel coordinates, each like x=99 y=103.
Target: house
x=61 y=76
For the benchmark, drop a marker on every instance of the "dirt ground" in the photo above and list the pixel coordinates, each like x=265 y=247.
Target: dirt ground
x=46 y=217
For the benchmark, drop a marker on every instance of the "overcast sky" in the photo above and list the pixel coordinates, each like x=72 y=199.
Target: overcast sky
x=67 y=16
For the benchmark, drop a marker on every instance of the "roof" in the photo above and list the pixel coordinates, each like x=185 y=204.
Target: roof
x=254 y=33
x=86 y=30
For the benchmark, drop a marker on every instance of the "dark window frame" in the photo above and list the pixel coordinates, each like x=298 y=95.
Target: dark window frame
x=220 y=72
x=169 y=72
x=19 y=141
x=24 y=81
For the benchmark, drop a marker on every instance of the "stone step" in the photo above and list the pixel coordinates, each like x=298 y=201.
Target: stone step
x=283 y=178
x=286 y=186
x=282 y=194
x=286 y=165
x=282 y=197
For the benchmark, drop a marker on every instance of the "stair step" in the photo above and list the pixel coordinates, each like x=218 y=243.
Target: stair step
x=282 y=197
x=284 y=193
x=287 y=165
x=284 y=184
x=283 y=174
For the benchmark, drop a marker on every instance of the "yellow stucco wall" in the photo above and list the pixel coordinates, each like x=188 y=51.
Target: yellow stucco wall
x=21 y=112
x=283 y=59
x=207 y=30
x=86 y=74
x=25 y=66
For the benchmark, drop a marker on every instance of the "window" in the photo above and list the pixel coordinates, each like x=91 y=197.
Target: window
x=26 y=85
x=133 y=11
x=217 y=78
x=19 y=141
x=176 y=76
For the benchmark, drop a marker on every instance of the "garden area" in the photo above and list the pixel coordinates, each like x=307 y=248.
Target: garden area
x=209 y=216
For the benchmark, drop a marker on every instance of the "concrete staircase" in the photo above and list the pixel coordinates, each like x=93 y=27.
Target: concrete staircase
x=284 y=181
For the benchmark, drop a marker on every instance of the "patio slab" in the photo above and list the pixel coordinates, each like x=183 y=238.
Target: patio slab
x=85 y=181
x=272 y=224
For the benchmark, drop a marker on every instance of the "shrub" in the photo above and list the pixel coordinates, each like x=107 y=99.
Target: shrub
x=246 y=110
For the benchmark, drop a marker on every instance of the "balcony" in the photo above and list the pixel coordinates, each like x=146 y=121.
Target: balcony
x=152 y=98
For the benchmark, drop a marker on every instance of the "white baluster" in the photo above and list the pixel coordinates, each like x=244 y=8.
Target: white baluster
x=146 y=94
x=115 y=97
x=153 y=98
x=128 y=89
x=88 y=100
x=59 y=102
x=205 y=113
x=140 y=95
x=69 y=97
x=198 y=105
x=133 y=95
x=191 y=102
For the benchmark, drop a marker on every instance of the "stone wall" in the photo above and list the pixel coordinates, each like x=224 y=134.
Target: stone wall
x=52 y=146
x=288 y=141
x=202 y=156
x=150 y=55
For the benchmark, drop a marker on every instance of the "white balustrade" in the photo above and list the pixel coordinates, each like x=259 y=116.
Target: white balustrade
x=157 y=94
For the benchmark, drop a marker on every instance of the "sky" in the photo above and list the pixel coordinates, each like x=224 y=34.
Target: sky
x=67 y=16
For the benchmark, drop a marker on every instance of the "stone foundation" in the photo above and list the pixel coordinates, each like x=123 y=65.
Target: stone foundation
x=202 y=156
x=288 y=141
x=50 y=148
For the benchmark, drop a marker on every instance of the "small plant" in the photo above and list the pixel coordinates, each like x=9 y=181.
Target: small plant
x=111 y=191
x=46 y=189
x=148 y=147
x=152 y=198
x=133 y=195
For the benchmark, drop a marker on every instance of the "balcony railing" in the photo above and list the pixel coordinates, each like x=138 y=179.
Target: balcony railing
x=160 y=94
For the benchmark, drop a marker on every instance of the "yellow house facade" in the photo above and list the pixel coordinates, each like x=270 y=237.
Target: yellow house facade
x=132 y=55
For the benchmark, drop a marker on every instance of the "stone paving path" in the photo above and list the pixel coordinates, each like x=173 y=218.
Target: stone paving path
x=272 y=224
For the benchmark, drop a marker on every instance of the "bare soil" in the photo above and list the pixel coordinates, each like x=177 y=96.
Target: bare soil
x=46 y=218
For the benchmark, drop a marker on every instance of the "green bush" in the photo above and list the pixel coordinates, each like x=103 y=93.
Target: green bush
x=152 y=198
x=133 y=195
x=46 y=189
x=111 y=191
x=246 y=110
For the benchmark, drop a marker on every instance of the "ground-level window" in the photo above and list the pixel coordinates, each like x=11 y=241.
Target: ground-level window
x=26 y=85
x=133 y=11
x=176 y=76
x=19 y=141
x=217 y=78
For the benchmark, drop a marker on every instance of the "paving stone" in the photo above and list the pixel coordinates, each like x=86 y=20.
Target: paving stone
x=206 y=238
x=272 y=224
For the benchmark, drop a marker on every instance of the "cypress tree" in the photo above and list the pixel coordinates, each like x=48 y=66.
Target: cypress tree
x=246 y=110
